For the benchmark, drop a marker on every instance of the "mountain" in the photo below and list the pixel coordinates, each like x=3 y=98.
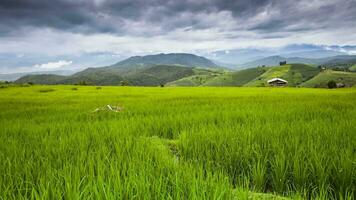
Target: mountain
x=184 y=59
x=338 y=60
x=49 y=79
x=138 y=70
x=150 y=76
x=245 y=55
x=313 y=54
x=327 y=61
x=274 y=60
x=192 y=70
x=14 y=76
x=295 y=74
x=224 y=64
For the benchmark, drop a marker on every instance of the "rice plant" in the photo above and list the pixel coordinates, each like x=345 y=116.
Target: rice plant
x=177 y=143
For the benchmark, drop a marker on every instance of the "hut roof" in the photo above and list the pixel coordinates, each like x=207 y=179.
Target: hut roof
x=277 y=79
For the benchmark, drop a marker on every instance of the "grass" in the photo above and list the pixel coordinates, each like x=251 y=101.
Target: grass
x=272 y=72
x=238 y=78
x=353 y=68
x=295 y=74
x=195 y=80
x=45 y=90
x=322 y=79
x=200 y=77
x=177 y=143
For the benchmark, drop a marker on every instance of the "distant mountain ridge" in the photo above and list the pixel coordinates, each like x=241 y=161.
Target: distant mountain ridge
x=274 y=60
x=184 y=59
x=15 y=76
x=192 y=70
x=137 y=70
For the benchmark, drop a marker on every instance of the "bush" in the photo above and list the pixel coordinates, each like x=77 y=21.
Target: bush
x=24 y=85
x=332 y=84
x=74 y=88
x=45 y=90
x=98 y=88
x=82 y=83
x=124 y=83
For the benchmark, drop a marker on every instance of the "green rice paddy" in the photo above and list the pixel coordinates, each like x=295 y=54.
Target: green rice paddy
x=57 y=142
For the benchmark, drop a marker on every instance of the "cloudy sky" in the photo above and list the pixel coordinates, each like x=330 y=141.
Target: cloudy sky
x=71 y=34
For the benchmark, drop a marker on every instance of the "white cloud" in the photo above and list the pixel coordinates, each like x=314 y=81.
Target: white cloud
x=54 y=65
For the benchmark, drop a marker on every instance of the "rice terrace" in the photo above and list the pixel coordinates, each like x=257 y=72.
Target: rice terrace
x=177 y=143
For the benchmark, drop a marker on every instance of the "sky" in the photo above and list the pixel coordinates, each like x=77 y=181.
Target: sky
x=74 y=34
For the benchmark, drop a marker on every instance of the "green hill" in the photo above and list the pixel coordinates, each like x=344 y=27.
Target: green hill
x=238 y=78
x=295 y=74
x=41 y=79
x=184 y=59
x=353 y=68
x=200 y=77
x=322 y=79
x=151 y=76
x=150 y=70
x=274 y=60
x=159 y=74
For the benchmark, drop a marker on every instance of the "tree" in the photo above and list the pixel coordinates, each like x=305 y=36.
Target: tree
x=82 y=83
x=332 y=84
x=124 y=83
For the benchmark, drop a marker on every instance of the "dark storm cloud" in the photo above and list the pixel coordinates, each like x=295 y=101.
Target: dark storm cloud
x=145 y=17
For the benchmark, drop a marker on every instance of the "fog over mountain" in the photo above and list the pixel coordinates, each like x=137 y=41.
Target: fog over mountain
x=37 y=35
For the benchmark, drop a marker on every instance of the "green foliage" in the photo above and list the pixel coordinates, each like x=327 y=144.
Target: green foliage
x=352 y=68
x=322 y=79
x=295 y=74
x=149 y=70
x=45 y=90
x=82 y=83
x=332 y=84
x=40 y=79
x=177 y=143
x=238 y=78
x=124 y=83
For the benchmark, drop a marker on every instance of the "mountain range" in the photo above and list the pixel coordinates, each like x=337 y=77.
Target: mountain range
x=138 y=70
x=274 y=60
x=15 y=76
x=180 y=69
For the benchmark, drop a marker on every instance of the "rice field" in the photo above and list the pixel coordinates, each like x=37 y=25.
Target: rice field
x=65 y=142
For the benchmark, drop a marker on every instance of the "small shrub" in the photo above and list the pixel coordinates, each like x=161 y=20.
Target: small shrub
x=24 y=85
x=124 y=83
x=98 y=88
x=74 y=88
x=332 y=84
x=82 y=83
x=46 y=90
x=3 y=86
